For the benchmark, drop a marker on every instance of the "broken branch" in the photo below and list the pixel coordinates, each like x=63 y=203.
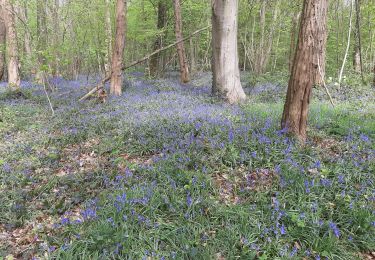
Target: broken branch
x=108 y=77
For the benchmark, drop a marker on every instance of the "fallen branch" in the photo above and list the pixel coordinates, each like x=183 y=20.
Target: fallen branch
x=108 y=77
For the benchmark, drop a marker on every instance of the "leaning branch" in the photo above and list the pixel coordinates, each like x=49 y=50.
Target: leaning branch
x=108 y=77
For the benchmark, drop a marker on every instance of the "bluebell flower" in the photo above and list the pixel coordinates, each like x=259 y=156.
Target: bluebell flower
x=334 y=229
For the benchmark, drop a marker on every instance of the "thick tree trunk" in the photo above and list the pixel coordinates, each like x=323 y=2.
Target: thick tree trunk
x=225 y=70
x=14 y=79
x=2 y=44
x=118 y=49
x=108 y=31
x=162 y=20
x=184 y=68
x=308 y=66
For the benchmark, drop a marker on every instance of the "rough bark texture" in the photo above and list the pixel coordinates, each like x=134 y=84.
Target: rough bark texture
x=293 y=34
x=118 y=49
x=184 y=68
x=2 y=44
x=373 y=81
x=225 y=70
x=14 y=79
x=309 y=56
x=162 y=20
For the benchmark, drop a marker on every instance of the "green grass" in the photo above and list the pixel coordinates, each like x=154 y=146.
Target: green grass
x=173 y=207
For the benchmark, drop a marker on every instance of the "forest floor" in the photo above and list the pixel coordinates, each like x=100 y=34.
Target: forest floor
x=168 y=172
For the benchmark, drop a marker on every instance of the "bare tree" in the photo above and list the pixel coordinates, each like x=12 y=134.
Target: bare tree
x=226 y=73
x=14 y=79
x=184 y=69
x=2 y=43
x=118 y=49
x=162 y=20
x=308 y=66
x=348 y=43
x=357 y=59
x=108 y=30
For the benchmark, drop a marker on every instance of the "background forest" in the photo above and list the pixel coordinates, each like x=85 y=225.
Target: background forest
x=74 y=36
x=156 y=153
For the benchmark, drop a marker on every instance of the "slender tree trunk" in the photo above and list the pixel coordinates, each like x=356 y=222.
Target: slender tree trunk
x=56 y=37
x=2 y=43
x=348 y=43
x=226 y=73
x=260 y=50
x=307 y=67
x=118 y=50
x=42 y=40
x=108 y=30
x=357 y=61
x=192 y=55
x=162 y=20
x=14 y=79
x=293 y=34
x=184 y=68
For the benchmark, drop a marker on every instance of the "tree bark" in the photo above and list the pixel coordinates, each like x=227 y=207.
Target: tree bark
x=108 y=30
x=118 y=49
x=309 y=57
x=14 y=79
x=162 y=20
x=357 y=59
x=293 y=34
x=225 y=70
x=27 y=36
x=184 y=68
x=41 y=23
x=2 y=44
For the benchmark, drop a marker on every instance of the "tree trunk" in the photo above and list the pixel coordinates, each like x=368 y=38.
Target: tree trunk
x=42 y=40
x=162 y=20
x=118 y=50
x=27 y=35
x=259 y=55
x=108 y=30
x=308 y=67
x=184 y=68
x=293 y=33
x=14 y=79
x=348 y=43
x=56 y=37
x=225 y=70
x=357 y=59
x=2 y=43
x=192 y=55
x=373 y=81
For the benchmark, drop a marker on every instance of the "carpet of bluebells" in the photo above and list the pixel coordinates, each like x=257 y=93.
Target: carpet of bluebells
x=168 y=172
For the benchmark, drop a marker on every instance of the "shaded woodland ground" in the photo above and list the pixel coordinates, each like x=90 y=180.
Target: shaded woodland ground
x=168 y=172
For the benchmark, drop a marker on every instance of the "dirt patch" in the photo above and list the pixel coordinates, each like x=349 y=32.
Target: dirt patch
x=230 y=184
x=367 y=256
x=80 y=158
x=329 y=146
